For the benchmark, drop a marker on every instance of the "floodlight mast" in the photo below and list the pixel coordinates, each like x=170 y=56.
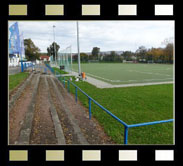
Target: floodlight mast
x=79 y=67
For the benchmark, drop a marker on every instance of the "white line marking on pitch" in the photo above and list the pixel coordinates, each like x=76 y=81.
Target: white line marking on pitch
x=149 y=73
x=144 y=80
x=128 y=80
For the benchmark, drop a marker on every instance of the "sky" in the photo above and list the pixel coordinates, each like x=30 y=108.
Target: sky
x=107 y=35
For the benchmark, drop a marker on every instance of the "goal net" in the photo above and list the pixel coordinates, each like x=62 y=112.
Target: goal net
x=64 y=59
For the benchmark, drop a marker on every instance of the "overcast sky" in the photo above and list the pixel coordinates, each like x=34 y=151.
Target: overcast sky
x=107 y=35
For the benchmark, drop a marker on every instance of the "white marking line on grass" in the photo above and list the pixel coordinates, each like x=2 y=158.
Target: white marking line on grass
x=162 y=69
x=149 y=73
x=128 y=80
x=102 y=84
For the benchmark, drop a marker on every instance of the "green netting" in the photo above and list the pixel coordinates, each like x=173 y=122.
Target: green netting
x=64 y=58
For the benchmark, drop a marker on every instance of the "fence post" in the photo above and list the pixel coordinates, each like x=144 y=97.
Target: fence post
x=89 y=102
x=76 y=93
x=68 y=86
x=22 y=67
x=126 y=136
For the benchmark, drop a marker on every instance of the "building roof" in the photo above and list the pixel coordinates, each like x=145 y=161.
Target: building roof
x=44 y=56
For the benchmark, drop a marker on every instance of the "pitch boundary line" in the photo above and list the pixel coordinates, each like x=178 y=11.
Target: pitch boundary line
x=149 y=73
x=144 y=80
x=101 y=84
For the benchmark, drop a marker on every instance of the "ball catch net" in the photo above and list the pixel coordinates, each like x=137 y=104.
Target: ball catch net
x=63 y=60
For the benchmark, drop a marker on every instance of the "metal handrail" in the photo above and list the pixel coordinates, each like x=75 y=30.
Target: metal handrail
x=127 y=126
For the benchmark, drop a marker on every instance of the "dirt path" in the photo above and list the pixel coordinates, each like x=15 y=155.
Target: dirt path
x=46 y=114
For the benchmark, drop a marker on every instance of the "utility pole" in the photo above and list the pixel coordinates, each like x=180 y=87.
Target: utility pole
x=79 y=67
x=54 y=42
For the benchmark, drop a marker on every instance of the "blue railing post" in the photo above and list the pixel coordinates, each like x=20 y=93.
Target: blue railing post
x=22 y=67
x=68 y=86
x=76 y=93
x=126 y=136
x=89 y=102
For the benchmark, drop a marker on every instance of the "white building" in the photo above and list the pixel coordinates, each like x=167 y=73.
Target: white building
x=14 y=60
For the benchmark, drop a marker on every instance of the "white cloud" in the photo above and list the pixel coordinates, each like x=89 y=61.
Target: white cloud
x=108 y=35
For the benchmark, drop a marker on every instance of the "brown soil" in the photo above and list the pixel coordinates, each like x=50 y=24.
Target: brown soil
x=43 y=128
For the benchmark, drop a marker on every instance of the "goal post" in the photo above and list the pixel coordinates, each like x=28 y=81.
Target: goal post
x=65 y=59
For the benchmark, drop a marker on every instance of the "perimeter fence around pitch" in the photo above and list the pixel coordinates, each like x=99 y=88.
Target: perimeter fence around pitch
x=90 y=99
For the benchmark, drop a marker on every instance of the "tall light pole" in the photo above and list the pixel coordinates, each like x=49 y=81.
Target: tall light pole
x=79 y=67
x=54 y=41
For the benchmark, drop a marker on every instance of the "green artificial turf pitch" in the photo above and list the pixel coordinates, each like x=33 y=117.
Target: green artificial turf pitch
x=121 y=73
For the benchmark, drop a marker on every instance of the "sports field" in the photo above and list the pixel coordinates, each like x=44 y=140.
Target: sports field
x=121 y=73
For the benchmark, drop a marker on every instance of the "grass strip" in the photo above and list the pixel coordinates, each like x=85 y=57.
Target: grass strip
x=16 y=79
x=60 y=71
x=132 y=105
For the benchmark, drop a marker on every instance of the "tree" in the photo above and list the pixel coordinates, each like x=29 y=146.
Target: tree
x=112 y=57
x=32 y=52
x=83 y=57
x=127 y=55
x=49 y=51
x=168 y=51
x=156 y=54
x=113 y=54
x=141 y=53
x=95 y=53
x=52 y=50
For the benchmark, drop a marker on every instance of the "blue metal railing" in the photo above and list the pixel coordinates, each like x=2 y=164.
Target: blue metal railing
x=50 y=68
x=107 y=111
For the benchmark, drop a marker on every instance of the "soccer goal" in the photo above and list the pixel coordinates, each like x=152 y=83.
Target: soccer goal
x=64 y=59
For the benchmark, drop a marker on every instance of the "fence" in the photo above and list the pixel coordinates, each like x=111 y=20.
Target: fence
x=103 y=108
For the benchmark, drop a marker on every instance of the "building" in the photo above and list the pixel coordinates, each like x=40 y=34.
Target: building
x=44 y=58
x=13 y=60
